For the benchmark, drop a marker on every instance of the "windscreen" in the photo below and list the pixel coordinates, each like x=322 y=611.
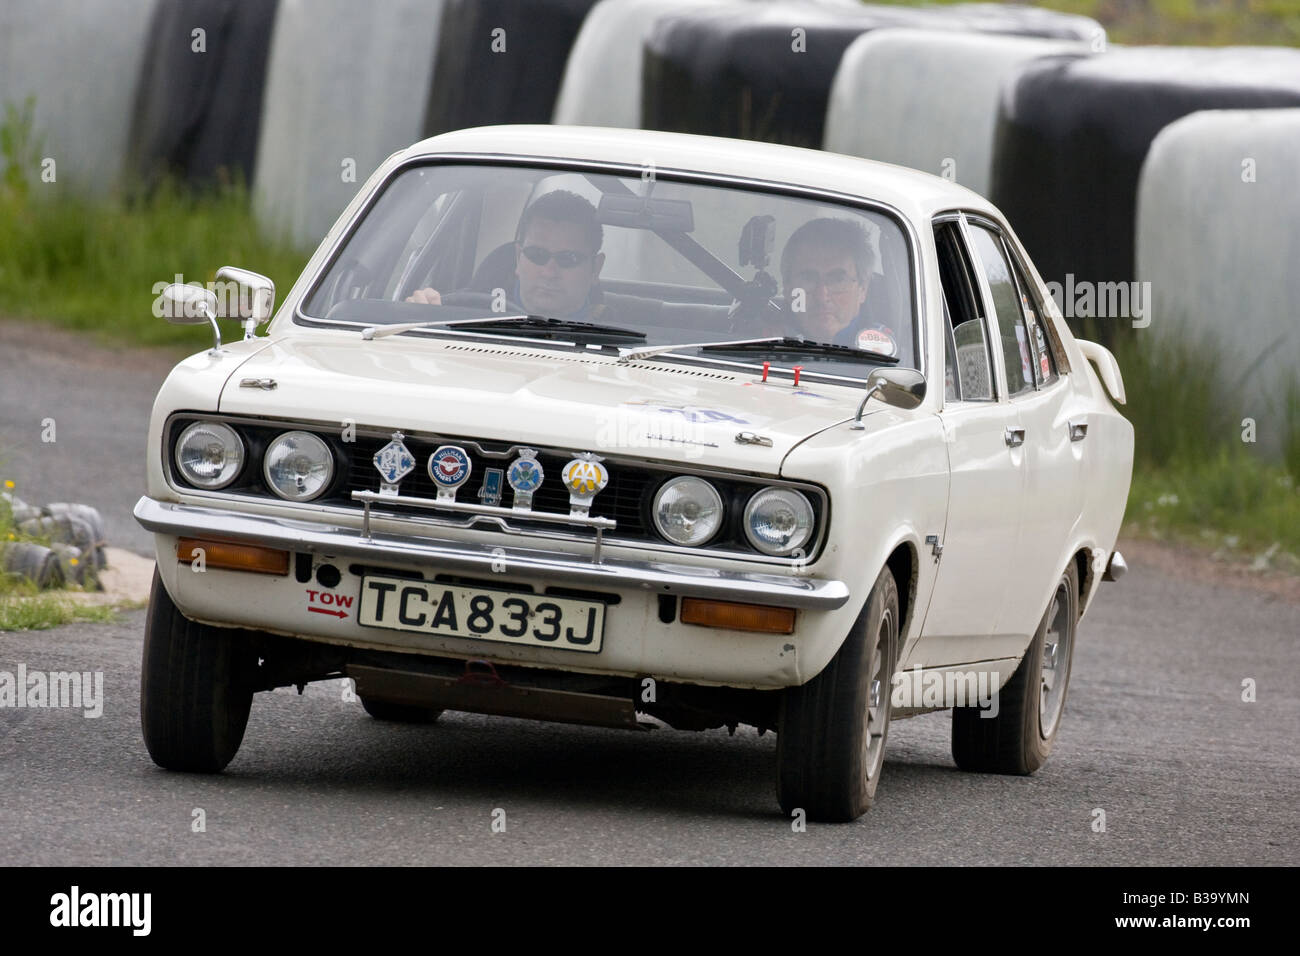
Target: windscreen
x=629 y=260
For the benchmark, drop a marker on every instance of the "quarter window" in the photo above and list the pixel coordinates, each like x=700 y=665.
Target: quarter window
x=1017 y=349
x=969 y=369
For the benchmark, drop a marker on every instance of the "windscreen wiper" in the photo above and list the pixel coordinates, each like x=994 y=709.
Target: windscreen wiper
x=791 y=344
x=532 y=323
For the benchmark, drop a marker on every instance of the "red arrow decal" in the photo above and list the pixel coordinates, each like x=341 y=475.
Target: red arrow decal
x=321 y=610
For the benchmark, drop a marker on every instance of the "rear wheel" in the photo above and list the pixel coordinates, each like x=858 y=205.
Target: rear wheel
x=832 y=730
x=196 y=688
x=400 y=713
x=1019 y=739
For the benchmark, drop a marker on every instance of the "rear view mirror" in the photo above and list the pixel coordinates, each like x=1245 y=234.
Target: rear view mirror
x=641 y=212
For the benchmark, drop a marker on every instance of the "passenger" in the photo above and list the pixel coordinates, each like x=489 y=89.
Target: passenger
x=826 y=267
x=557 y=259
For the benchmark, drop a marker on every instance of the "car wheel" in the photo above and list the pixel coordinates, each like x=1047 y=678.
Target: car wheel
x=400 y=713
x=831 y=731
x=196 y=688
x=1031 y=704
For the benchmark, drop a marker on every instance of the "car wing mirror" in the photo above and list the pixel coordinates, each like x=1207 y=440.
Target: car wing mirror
x=261 y=303
x=899 y=387
x=183 y=304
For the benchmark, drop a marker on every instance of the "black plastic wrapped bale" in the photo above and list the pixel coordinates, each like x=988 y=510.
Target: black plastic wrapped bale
x=765 y=73
x=500 y=61
x=345 y=88
x=79 y=61
x=198 y=108
x=1072 y=135
x=1219 y=242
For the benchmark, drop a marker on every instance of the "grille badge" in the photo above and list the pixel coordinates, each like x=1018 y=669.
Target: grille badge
x=585 y=477
x=525 y=477
x=394 y=462
x=449 y=467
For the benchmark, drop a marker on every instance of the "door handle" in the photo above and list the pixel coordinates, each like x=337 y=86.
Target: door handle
x=1015 y=437
x=1078 y=431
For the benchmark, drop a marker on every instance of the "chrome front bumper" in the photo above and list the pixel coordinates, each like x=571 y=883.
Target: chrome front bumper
x=658 y=577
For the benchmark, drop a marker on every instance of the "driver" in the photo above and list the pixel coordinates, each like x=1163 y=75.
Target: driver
x=557 y=259
x=826 y=267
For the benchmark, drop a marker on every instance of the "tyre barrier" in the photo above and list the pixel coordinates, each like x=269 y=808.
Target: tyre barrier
x=1222 y=268
x=928 y=99
x=32 y=561
x=198 y=106
x=345 y=88
x=767 y=75
x=80 y=61
x=1072 y=133
x=500 y=61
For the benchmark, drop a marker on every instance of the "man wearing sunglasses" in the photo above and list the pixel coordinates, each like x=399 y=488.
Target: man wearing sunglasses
x=557 y=259
x=826 y=267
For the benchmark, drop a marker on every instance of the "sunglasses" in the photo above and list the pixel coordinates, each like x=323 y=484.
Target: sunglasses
x=539 y=256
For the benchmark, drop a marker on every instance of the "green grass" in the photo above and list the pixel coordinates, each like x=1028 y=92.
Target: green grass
x=95 y=266
x=25 y=608
x=1181 y=22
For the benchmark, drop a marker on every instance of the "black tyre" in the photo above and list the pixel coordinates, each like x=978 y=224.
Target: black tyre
x=196 y=688
x=832 y=730
x=400 y=713
x=1031 y=704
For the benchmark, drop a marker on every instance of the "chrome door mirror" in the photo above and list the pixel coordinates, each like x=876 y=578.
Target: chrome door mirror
x=262 y=291
x=191 y=305
x=900 y=387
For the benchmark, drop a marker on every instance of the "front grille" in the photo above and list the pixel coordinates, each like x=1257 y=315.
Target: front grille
x=621 y=500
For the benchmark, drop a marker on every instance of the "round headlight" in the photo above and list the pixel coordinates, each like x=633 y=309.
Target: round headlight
x=778 y=520
x=298 y=466
x=688 y=511
x=209 y=455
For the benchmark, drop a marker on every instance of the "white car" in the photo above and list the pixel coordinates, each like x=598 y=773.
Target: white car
x=625 y=428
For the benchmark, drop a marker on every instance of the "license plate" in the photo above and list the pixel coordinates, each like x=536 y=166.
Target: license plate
x=505 y=616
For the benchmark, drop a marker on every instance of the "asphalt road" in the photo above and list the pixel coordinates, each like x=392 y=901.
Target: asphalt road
x=1156 y=734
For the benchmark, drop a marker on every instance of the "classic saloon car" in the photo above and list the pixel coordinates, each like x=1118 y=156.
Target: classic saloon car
x=618 y=427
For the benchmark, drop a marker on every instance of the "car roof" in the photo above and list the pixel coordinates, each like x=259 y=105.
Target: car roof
x=915 y=194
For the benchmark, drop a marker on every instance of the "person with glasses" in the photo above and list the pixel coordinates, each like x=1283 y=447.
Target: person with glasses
x=557 y=259
x=826 y=267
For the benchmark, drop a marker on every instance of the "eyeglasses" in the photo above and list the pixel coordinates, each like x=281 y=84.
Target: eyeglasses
x=837 y=281
x=565 y=259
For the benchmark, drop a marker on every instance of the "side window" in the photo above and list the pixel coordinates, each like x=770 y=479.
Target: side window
x=1016 y=351
x=1046 y=346
x=969 y=362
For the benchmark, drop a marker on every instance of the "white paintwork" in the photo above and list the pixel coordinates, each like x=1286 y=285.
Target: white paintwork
x=928 y=98
x=906 y=475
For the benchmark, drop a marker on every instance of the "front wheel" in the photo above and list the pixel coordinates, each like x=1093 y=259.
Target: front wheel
x=196 y=688
x=832 y=730
x=1019 y=738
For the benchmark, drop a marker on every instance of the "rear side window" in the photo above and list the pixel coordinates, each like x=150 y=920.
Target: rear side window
x=968 y=373
x=1041 y=335
x=1017 y=350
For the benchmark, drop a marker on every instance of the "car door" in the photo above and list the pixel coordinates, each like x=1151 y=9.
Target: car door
x=986 y=487
x=1053 y=430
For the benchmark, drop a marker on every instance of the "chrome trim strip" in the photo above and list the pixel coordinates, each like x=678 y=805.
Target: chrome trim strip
x=784 y=590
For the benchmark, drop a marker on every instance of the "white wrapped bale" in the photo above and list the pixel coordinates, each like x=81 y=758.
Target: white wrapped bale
x=1217 y=238
x=602 y=78
x=346 y=86
x=81 y=61
x=929 y=99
